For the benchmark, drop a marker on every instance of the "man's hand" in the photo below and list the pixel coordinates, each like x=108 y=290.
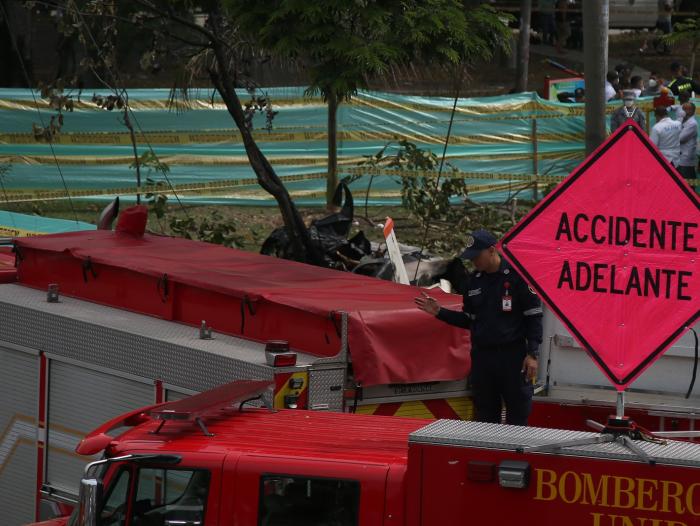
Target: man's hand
x=427 y=304
x=530 y=368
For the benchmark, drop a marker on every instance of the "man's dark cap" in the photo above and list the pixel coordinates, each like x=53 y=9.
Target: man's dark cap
x=675 y=66
x=476 y=242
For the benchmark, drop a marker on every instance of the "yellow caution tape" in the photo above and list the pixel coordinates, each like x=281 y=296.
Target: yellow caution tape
x=455 y=175
x=233 y=137
x=23 y=196
x=11 y=231
x=507 y=181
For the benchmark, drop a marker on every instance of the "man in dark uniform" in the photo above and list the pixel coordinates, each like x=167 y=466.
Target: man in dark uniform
x=680 y=83
x=505 y=318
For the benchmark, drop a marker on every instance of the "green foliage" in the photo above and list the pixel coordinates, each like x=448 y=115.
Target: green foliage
x=688 y=30
x=156 y=199
x=425 y=197
x=433 y=204
x=212 y=229
x=343 y=43
x=58 y=101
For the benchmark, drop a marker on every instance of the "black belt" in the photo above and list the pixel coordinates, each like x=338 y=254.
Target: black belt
x=517 y=345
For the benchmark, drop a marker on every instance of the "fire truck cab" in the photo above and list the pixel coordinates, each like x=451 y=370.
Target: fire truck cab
x=203 y=461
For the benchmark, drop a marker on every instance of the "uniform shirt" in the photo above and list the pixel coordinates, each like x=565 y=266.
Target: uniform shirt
x=681 y=83
x=621 y=114
x=689 y=143
x=666 y=135
x=483 y=313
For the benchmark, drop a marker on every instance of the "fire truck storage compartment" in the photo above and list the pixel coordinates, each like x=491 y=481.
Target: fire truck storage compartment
x=19 y=377
x=79 y=400
x=102 y=362
x=460 y=470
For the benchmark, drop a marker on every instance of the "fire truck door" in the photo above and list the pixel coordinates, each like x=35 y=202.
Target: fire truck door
x=19 y=378
x=267 y=490
x=79 y=400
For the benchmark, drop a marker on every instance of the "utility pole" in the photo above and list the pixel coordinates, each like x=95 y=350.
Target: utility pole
x=523 y=46
x=595 y=66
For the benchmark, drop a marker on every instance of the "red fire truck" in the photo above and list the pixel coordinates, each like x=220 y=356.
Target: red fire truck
x=101 y=322
x=213 y=460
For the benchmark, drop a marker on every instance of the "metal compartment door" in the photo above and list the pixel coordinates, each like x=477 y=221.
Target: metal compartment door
x=81 y=399
x=19 y=378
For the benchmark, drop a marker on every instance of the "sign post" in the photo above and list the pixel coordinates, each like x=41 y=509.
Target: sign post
x=614 y=252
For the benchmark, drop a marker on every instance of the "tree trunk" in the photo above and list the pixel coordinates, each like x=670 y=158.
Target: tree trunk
x=332 y=176
x=523 y=46
x=691 y=68
x=298 y=234
x=595 y=65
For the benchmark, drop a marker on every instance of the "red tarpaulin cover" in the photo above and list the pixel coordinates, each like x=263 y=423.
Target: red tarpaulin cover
x=7 y=265
x=390 y=340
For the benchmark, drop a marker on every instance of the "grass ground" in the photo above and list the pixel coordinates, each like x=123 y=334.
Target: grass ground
x=254 y=223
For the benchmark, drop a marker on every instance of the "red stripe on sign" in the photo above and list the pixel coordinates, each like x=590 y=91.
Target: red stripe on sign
x=388 y=227
x=441 y=409
x=387 y=409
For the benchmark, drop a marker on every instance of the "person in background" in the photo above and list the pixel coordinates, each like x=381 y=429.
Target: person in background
x=612 y=86
x=665 y=99
x=676 y=110
x=624 y=72
x=652 y=89
x=637 y=85
x=547 y=24
x=628 y=110
x=505 y=319
x=563 y=27
x=663 y=24
x=576 y=23
x=666 y=135
x=689 y=142
x=579 y=96
x=680 y=83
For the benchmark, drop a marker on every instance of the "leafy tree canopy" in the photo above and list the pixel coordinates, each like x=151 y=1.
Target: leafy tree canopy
x=344 y=43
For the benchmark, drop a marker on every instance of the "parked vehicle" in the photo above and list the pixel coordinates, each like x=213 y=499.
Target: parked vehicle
x=101 y=322
x=192 y=462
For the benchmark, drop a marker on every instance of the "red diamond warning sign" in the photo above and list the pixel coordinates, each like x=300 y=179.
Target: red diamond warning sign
x=613 y=250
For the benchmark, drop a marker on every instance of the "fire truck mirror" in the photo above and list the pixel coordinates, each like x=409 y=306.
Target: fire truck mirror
x=90 y=497
x=514 y=474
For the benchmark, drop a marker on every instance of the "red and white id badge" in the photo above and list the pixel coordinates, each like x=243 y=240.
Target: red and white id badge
x=507 y=303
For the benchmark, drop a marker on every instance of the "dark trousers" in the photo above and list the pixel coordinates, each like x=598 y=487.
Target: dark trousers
x=497 y=379
x=687 y=172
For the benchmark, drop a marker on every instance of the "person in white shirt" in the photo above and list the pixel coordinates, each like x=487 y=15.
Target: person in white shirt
x=666 y=135
x=610 y=86
x=637 y=85
x=677 y=109
x=689 y=142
